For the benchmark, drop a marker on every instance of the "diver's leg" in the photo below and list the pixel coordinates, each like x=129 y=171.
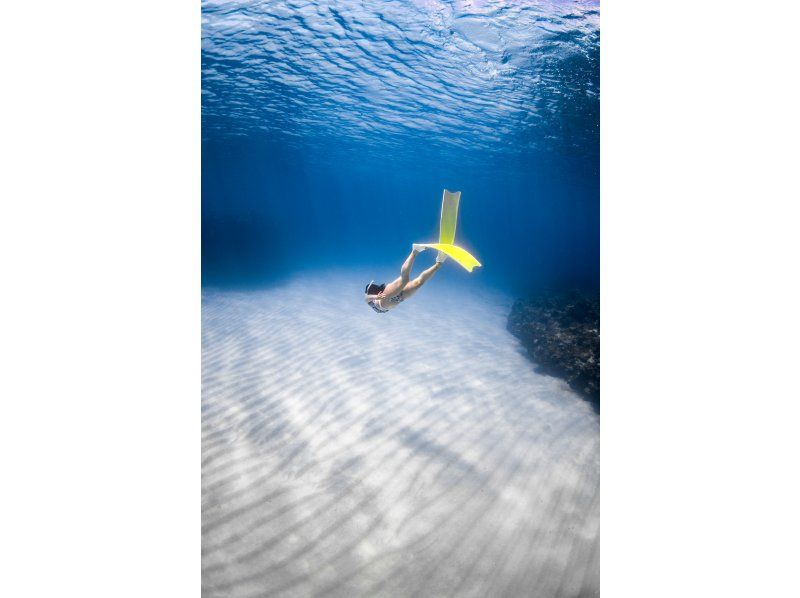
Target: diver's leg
x=393 y=287
x=405 y=270
x=413 y=286
x=397 y=285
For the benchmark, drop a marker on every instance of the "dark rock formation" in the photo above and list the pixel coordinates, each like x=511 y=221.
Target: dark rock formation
x=561 y=331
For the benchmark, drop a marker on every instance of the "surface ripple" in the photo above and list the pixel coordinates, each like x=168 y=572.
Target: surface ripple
x=490 y=76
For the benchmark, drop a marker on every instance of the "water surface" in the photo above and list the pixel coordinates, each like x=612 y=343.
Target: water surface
x=330 y=130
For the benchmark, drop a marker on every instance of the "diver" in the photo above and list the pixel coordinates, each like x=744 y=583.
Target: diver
x=383 y=297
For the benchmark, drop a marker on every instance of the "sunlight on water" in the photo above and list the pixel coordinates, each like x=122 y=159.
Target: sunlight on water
x=492 y=76
x=328 y=126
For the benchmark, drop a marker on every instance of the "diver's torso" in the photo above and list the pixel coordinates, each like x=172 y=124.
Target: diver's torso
x=386 y=304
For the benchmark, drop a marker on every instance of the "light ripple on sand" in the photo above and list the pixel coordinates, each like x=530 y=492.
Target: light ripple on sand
x=347 y=453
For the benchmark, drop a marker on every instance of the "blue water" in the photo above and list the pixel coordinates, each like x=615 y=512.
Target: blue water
x=330 y=129
x=416 y=453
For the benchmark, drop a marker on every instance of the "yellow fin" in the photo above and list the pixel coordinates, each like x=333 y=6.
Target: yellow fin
x=464 y=258
x=447 y=223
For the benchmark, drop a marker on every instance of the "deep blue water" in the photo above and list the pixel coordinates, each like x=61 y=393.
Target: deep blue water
x=330 y=129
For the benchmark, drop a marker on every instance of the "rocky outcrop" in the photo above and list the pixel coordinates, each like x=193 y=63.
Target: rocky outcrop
x=561 y=331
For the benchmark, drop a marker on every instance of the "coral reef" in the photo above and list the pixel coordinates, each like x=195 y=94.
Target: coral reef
x=561 y=331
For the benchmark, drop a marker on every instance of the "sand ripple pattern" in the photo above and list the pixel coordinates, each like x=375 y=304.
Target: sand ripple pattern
x=493 y=76
x=346 y=453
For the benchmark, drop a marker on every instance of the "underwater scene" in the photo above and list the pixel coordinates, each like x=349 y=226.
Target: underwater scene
x=400 y=298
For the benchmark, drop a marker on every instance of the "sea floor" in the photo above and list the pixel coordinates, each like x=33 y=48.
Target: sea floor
x=414 y=453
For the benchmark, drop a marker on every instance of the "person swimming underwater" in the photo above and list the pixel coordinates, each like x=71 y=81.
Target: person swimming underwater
x=383 y=297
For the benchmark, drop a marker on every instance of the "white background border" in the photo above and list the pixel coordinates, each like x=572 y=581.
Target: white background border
x=699 y=299
x=100 y=246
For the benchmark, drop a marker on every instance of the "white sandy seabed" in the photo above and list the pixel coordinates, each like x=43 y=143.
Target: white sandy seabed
x=415 y=453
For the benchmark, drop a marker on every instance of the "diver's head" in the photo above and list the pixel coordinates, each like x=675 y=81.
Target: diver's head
x=374 y=289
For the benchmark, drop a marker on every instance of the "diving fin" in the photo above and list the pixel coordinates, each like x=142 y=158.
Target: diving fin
x=449 y=217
